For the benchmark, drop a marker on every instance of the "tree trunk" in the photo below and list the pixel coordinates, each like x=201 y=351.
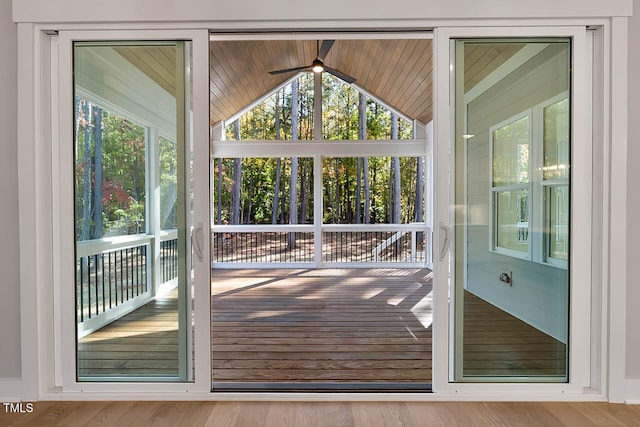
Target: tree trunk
x=276 y=190
x=304 y=191
x=396 y=173
x=419 y=191
x=358 y=191
x=362 y=135
x=237 y=180
x=86 y=179
x=219 y=196
x=97 y=179
x=293 y=190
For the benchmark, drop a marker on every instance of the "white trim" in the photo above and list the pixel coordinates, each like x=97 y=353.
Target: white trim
x=201 y=131
x=617 y=250
x=599 y=266
x=94 y=323
x=411 y=34
x=33 y=221
x=30 y=150
x=580 y=319
x=312 y=14
x=632 y=391
x=327 y=148
x=148 y=393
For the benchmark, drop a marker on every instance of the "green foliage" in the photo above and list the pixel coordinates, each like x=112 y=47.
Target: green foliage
x=123 y=173
x=340 y=122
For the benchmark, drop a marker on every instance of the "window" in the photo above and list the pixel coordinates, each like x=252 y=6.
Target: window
x=530 y=184
x=510 y=186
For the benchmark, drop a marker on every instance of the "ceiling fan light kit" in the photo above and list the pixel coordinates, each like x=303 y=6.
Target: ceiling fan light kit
x=317 y=66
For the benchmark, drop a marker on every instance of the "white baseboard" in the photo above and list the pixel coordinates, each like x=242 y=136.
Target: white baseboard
x=632 y=391
x=11 y=390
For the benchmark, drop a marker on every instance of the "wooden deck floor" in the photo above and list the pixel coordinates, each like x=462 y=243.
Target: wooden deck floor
x=321 y=326
x=143 y=342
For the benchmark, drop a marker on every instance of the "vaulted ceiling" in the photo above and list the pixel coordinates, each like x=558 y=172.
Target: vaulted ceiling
x=396 y=71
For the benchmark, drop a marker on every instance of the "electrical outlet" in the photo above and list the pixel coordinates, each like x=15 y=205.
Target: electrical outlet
x=506 y=277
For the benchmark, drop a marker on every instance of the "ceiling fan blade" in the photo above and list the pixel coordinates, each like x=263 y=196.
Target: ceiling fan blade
x=324 y=49
x=339 y=75
x=288 y=70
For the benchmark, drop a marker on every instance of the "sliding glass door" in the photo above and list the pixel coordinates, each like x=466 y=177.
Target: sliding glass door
x=514 y=152
x=133 y=215
x=512 y=162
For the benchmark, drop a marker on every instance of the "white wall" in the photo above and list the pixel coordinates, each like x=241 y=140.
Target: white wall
x=633 y=221
x=320 y=14
x=313 y=10
x=9 y=258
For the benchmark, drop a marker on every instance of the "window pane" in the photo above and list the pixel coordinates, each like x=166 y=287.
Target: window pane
x=110 y=173
x=556 y=140
x=254 y=190
x=512 y=296
x=168 y=184
x=511 y=153
x=559 y=222
x=365 y=190
x=512 y=216
x=133 y=301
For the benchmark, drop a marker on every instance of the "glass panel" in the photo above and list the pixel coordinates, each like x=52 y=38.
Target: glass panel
x=110 y=173
x=511 y=153
x=559 y=222
x=365 y=190
x=132 y=276
x=511 y=298
x=168 y=184
x=556 y=140
x=512 y=219
x=265 y=190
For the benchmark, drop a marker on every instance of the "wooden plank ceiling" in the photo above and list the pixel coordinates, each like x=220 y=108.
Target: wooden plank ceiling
x=395 y=71
x=399 y=72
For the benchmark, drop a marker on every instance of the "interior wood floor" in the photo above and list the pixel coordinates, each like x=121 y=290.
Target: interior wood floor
x=329 y=326
x=300 y=414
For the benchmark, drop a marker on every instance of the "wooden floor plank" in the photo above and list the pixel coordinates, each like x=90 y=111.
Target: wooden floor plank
x=284 y=414
x=339 y=326
x=335 y=324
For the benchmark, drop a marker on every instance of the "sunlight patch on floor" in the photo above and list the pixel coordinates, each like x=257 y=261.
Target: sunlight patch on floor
x=423 y=310
x=401 y=296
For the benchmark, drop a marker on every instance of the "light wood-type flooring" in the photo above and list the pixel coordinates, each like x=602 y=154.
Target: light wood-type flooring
x=334 y=414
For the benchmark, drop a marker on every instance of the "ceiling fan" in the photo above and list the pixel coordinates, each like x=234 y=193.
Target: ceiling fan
x=318 y=66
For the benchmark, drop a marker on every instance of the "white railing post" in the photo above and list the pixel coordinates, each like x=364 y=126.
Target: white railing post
x=413 y=246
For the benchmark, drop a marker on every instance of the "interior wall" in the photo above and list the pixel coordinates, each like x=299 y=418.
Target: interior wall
x=280 y=10
x=9 y=252
x=633 y=206
x=538 y=294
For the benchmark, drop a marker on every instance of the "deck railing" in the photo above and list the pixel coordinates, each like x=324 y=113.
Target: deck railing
x=113 y=275
x=352 y=245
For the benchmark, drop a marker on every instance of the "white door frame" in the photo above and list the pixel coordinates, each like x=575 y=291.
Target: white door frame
x=581 y=207
x=38 y=228
x=65 y=349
